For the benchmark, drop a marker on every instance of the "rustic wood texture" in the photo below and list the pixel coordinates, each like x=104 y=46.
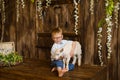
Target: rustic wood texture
x=24 y=32
x=40 y=70
x=44 y=43
x=118 y=48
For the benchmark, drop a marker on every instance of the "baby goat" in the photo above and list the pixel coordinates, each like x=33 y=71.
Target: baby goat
x=65 y=53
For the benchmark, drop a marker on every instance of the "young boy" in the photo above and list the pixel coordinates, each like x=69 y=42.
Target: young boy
x=57 y=37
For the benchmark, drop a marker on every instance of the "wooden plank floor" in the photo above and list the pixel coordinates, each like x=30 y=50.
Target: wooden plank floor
x=40 y=70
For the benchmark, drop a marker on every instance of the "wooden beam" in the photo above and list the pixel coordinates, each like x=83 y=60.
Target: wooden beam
x=45 y=34
x=58 y=2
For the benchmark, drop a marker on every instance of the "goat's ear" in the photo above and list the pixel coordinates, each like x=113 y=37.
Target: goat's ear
x=61 y=50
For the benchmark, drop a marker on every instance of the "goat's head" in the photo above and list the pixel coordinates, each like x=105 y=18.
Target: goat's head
x=58 y=53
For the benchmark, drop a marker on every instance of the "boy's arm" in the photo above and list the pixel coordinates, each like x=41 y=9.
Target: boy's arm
x=73 y=48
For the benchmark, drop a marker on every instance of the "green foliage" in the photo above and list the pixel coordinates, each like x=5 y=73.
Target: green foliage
x=110 y=7
x=101 y=22
x=10 y=59
x=32 y=1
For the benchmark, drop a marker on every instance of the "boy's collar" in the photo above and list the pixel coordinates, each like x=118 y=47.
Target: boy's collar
x=60 y=42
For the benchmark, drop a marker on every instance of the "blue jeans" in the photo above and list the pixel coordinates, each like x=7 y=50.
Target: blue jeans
x=59 y=63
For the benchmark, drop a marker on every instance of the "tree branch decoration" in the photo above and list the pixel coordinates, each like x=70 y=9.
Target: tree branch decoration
x=109 y=11
x=3 y=18
x=76 y=15
x=117 y=7
x=92 y=7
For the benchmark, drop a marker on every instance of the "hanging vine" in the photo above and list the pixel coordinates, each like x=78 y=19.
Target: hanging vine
x=17 y=10
x=92 y=7
x=99 y=41
x=22 y=3
x=39 y=8
x=0 y=5
x=109 y=10
x=116 y=10
x=48 y=2
x=3 y=18
x=76 y=15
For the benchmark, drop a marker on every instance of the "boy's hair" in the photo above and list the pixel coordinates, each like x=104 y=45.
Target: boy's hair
x=56 y=30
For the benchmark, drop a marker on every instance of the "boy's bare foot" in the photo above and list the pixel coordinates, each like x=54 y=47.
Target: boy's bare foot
x=65 y=70
x=61 y=73
x=53 y=69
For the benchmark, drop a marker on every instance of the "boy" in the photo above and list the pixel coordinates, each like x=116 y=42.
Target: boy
x=57 y=37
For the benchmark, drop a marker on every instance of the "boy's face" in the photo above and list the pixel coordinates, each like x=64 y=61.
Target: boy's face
x=57 y=37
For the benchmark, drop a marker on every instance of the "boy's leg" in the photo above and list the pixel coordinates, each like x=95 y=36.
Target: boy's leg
x=71 y=66
x=59 y=65
x=61 y=71
x=53 y=69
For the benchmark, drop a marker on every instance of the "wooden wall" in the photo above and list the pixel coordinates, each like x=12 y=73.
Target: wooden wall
x=24 y=32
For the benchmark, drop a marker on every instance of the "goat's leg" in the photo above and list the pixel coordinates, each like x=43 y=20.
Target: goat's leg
x=79 y=59
x=64 y=60
x=74 y=59
x=67 y=63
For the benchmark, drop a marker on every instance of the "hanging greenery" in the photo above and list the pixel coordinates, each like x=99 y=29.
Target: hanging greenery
x=99 y=40
x=18 y=3
x=39 y=8
x=116 y=10
x=22 y=3
x=0 y=5
x=109 y=11
x=92 y=7
x=32 y=1
x=76 y=15
x=3 y=18
x=17 y=10
x=48 y=2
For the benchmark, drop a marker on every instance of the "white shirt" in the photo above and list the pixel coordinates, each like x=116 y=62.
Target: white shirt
x=58 y=46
